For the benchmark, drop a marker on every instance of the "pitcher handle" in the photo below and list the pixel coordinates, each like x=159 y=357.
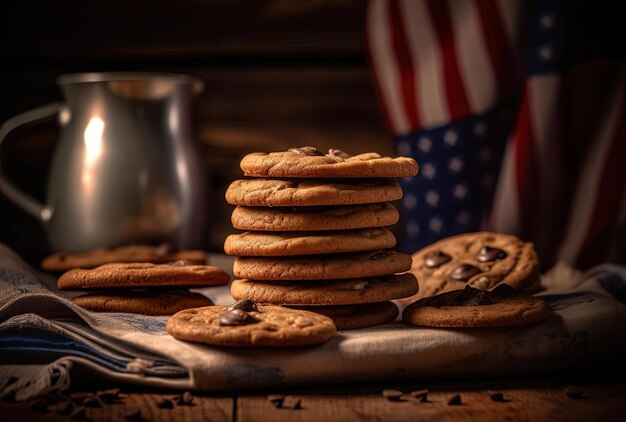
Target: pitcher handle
x=22 y=199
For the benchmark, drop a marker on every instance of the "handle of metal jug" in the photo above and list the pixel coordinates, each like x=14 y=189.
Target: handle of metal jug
x=22 y=199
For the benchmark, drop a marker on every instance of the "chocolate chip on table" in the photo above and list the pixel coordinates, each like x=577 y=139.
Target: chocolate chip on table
x=290 y=402
x=455 y=400
x=422 y=395
x=497 y=397
x=392 y=394
x=92 y=402
x=245 y=305
x=488 y=253
x=310 y=151
x=79 y=414
x=574 y=391
x=436 y=258
x=276 y=400
x=165 y=404
x=338 y=154
x=185 y=399
x=464 y=272
x=237 y=317
x=133 y=414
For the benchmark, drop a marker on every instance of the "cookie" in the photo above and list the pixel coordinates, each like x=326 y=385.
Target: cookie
x=291 y=193
x=307 y=243
x=112 y=276
x=481 y=260
x=471 y=307
x=271 y=326
x=346 y=217
x=323 y=267
x=145 y=303
x=62 y=261
x=335 y=292
x=309 y=162
x=352 y=317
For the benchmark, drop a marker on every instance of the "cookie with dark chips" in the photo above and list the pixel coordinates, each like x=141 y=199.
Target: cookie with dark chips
x=482 y=260
x=267 y=326
x=471 y=307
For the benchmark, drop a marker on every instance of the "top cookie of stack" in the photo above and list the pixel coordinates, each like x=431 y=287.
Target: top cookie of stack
x=315 y=233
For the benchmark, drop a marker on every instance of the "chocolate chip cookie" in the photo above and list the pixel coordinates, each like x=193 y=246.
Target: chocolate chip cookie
x=62 y=261
x=346 y=217
x=481 y=260
x=308 y=243
x=113 y=276
x=323 y=267
x=291 y=193
x=470 y=307
x=331 y=292
x=307 y=162
x=352 y=317
x=251 y=325
x=153 y=302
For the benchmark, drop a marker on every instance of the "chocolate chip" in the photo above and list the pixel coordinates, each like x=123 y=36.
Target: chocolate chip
x=436 y=258
x=310 y=151
x=464 y=272
x=487 y=253
x=185 y=399
x=392 y=395
x=574 y=391
x=475 y=298
x=165 y=404
x=504 y=290
x=276 y=399
x=455 y=400
x=422 y=395
x=497 y=397
x=338 y=154
x=133 y=414
x=63 y=408
x=164 y=248
x=237 y=317
x=92 y=402
x=291 y=402
x=79 y=414
x=245 y=305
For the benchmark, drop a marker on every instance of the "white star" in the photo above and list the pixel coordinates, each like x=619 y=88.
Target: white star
x=547 y=21
x=424 y=144
x=450 y=138
x=456 y=164
x=410 y=201
x=435 y=224
x=480 y=129
x=463 y=218
x=432 y=198
x=485 y=155
x=429 y=171
x=412 y=229
x=545 y=53
x=404 y=148
x=460 y=191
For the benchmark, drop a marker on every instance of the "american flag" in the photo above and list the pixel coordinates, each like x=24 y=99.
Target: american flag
x=518 y=126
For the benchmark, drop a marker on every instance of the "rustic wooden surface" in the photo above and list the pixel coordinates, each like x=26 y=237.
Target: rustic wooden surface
x=526 y=400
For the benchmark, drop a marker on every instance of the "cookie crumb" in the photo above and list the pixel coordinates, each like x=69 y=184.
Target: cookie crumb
x=291 y=402
x=455 y=400
x=392 y=394
x=422 y=395
x=497 y=397
x=276 y=400
x=574 y=391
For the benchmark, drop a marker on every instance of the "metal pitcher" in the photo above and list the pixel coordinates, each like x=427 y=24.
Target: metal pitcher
x=126 y=169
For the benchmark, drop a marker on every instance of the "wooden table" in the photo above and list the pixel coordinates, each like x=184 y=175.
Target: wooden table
x=526 y=400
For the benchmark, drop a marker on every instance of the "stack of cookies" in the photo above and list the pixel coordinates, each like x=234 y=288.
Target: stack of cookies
x=315 y=234
x=136 y=279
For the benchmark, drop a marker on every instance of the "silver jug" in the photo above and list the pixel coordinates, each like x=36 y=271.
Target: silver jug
x=126 y=169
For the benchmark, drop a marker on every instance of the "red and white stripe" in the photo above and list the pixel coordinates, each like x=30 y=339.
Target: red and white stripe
x=435 y=61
